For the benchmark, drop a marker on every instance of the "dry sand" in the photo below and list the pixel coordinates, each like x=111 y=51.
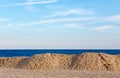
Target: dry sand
x=86 y=65
x=22 y=73
x=85 y=61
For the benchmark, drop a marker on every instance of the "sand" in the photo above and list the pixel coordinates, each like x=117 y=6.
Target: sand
x=86 y=65
x=25 y=73
x=85 y=61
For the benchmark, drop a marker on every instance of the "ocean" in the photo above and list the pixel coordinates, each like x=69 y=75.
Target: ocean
x=30 y=52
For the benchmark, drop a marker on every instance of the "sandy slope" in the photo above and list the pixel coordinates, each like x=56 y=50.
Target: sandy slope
x=85 y=61
x=86 y=65
x=22 y=73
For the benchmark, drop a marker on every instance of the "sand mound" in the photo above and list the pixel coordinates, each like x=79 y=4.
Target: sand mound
x=47 y=61
x=11 y=62
x=85 y=61
x=95 y=61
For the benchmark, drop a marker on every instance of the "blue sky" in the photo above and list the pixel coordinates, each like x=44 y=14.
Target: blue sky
x=60 y=24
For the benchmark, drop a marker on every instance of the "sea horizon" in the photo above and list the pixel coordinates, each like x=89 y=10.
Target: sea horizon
x=31 y=52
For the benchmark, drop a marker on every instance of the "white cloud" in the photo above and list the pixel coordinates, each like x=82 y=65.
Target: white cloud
x=104 y=28
x=30 y=8
x=3 y=19
x=115 y=18
x=56 y=7
x=80 y=11
x=71 y=12
x=74 y=25
x=77 y=12
x=60 y=20
x=28 y=3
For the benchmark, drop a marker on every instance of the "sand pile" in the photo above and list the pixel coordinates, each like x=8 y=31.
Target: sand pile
x=47 y=61
x=11 y=62
x=85 y=61
x=95 y=61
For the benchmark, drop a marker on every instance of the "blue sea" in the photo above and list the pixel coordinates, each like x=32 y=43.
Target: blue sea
x=29 y=52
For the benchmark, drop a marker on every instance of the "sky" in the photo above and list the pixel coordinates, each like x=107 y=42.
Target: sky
x=59 y=24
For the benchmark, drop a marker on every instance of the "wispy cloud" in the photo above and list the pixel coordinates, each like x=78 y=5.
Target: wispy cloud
x=31 y=8
x=75 y=11
x=115 y=18
x=74 y=25
x=60 y=20
x=56 y=7
x=3 y=20
x=28 y=3
x=104 y=28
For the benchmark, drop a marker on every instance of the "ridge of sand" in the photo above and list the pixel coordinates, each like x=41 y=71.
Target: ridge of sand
x=85 y=61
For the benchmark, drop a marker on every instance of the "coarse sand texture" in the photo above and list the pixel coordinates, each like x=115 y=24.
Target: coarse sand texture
x=85 y=61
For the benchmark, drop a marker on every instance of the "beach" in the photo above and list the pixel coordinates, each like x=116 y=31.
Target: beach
x=25 y=73
x=86 y=65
